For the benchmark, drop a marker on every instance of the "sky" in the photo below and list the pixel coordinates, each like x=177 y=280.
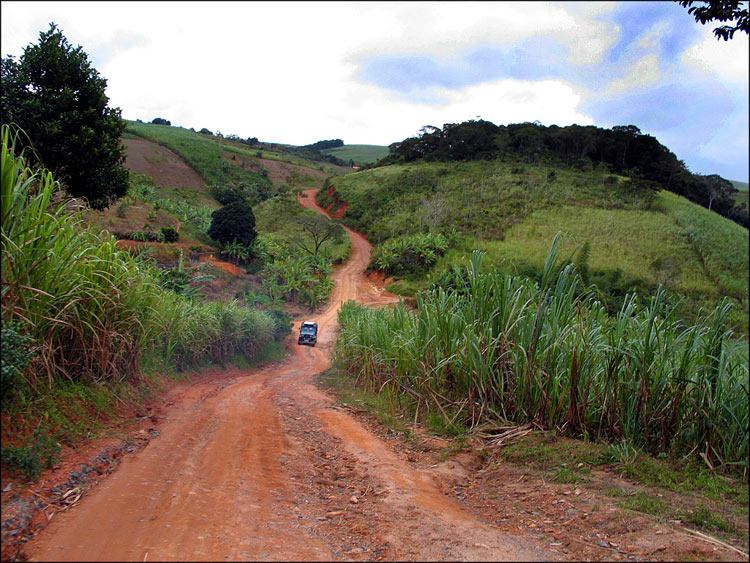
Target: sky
x=376 y=73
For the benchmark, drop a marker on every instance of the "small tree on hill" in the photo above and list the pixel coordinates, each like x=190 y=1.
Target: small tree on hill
x=233 y=223
x=320 y=230
x=161 y=121
x=58 y=99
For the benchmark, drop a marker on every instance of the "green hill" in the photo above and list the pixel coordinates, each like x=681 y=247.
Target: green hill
x=222 y=161
x=359 y=154
x=638 y=237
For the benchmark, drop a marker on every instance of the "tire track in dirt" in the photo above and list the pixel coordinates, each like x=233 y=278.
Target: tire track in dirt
x=268 y=469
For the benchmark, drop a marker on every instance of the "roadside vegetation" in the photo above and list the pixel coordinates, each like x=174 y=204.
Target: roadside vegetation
x=85 y=322
x=297 y=251
x=492 y=348
x=283 y=256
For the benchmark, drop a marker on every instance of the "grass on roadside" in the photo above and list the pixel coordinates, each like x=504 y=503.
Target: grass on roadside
x=678 y=489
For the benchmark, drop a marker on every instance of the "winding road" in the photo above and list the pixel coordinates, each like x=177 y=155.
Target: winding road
x=264 y=466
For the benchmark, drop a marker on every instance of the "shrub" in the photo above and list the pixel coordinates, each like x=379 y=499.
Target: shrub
x=39 y=453
x=139 y=235
x=17 y=352
x=170 y=234
x=409 y=254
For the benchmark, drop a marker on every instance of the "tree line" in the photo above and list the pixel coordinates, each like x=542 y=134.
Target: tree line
x=623 y=149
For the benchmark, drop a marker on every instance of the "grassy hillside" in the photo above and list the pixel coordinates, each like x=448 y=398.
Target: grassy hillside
x=223 y=162
x=359 y=154
x=637 y=238
x=742 y=192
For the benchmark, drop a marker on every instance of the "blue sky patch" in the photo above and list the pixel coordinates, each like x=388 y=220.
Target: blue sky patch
x=636 y=18
x=531 y=59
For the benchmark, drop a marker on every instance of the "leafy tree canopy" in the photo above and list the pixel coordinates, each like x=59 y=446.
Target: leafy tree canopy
x=161 y=121
x=233 y=223
x=58 y=99
x=732 y=11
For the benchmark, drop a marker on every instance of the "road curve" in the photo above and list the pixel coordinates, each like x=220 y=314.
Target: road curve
x=264 y=467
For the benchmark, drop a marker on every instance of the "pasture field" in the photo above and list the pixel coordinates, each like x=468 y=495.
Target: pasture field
x=359 y=154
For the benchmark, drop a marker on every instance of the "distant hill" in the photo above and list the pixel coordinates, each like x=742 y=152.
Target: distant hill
x=358 y=154
x=740 y=185
x=623 y=149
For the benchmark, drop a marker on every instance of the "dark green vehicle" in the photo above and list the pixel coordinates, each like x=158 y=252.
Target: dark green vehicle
x=308 y=333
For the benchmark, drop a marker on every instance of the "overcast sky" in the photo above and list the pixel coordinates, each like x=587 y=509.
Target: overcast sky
x=375 y=73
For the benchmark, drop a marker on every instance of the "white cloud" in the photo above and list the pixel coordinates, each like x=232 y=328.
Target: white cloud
x=643 y=72
x=288 y=71
x=650 y=38
x=729 y=60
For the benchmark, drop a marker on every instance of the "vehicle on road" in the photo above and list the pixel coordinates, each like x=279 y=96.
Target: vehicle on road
x=308 y=333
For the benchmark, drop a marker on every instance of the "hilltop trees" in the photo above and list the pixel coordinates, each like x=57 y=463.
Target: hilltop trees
x=58 y=99
x=621 y=150
x=323 y=145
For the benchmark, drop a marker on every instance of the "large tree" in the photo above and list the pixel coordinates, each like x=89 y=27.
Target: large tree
x=58 y=99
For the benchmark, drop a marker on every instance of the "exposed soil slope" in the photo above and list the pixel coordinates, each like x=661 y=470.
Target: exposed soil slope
x=165 y=167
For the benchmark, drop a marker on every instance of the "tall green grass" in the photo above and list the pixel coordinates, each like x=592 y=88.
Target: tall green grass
x=90 y=309
x=510 y=350
x=79 y=296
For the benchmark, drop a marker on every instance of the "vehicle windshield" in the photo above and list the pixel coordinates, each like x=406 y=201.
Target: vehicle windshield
x=308 y=330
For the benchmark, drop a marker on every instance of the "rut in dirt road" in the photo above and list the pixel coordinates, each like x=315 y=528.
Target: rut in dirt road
x=266 y=468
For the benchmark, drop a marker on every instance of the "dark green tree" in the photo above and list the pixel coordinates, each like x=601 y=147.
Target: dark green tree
x=732 y=11
x=161 y=121
x=233 y=223
x=58 y=99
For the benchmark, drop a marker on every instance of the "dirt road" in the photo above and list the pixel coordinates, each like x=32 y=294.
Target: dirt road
x=263 y=466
